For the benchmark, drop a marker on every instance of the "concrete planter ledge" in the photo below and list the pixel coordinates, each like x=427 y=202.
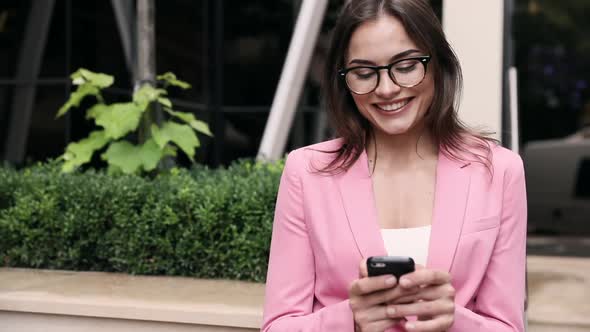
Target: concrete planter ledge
x=229 y=305
x=42 y=300
x=558 y=294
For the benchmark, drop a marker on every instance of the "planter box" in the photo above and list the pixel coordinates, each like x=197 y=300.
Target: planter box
x=558 y=294
x=41 y=300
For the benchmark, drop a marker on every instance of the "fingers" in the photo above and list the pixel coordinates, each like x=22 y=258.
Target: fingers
x=424 y=293
x=424 y=277
x=374 y=319
x=440 y=323
x=377 y=326
x=434 y=308
x=370 y=285
x=367 y=296
x=373 y=314
x=429 y=293
x=389 y=295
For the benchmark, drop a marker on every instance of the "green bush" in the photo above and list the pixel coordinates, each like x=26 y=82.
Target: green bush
x=207 y=223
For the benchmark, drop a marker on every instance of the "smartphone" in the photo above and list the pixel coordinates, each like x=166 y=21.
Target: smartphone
x=396 y=265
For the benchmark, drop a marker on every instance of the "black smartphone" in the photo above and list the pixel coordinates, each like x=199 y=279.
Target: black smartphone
x=396 y=265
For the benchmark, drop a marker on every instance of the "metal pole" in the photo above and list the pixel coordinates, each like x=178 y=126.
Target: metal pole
x=215 y=82
x=28 y=68
x=146 y=44
x=284 y=105
x=146 y=60
x=68 y=69
x=297 y=134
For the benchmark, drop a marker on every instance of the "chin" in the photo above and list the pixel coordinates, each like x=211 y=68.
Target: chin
x=398 y=126
x=394 y=130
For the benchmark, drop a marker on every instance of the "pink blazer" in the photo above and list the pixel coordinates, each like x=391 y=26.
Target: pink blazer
x=325 y=224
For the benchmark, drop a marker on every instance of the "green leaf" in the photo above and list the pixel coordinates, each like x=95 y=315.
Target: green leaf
x=118 y=119
x=171 y=79
x=165 y=102
x=77 y=96
x=79 y=153
x=190 y=119
x=170 y=150
x=96 y=110
x=181 y=135
x=129 y=158
x=147 y=94
x=112 y=170
x=100 y=80
x=150 y=155
x=201 y=127
x=123 y=155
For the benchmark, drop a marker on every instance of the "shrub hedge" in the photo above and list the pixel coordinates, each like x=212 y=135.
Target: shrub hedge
x=206 y=223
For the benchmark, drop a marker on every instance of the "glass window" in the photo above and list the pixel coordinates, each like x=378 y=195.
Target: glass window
x=254 y=38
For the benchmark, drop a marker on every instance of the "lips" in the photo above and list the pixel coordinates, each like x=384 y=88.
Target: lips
x=395 y=106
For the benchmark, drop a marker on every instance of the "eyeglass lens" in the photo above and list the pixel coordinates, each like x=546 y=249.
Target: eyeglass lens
x=406 y=73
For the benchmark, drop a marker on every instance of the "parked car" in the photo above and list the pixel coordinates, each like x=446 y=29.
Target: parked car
x=558 y=185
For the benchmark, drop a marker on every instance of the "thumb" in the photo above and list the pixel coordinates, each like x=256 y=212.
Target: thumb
x=363 y=269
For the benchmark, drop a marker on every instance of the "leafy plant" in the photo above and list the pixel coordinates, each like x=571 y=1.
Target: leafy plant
x=117 y=120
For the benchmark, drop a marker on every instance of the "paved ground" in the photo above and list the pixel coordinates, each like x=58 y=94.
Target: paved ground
x=559 y=283
x=559 y=289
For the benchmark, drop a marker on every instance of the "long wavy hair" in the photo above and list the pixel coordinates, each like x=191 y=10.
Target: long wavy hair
x=456 y=140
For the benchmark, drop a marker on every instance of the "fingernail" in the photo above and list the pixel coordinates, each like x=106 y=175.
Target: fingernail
x=390 y=281
x=410 y=326
x=405 y=282
x=391 y=311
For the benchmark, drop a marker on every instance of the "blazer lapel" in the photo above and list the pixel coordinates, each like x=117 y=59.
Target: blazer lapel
x=451 y=192
x=356 y=191
x=450 y=201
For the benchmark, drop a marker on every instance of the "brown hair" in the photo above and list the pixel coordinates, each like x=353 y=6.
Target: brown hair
x=442 y=121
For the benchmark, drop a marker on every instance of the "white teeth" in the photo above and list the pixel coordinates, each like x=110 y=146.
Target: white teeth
x=395 y=106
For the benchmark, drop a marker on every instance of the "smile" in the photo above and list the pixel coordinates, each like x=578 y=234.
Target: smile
x=393 y=107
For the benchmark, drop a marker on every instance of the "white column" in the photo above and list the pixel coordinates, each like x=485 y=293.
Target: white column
x=293 y=77
x=475 y=30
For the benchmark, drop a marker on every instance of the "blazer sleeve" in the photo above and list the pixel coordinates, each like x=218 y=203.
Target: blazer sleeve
x=290 y=282
x=499 y=305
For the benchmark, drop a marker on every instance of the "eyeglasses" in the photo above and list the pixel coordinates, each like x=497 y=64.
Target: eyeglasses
x=406 y=73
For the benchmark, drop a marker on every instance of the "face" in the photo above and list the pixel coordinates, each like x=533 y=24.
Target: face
x=391 y=109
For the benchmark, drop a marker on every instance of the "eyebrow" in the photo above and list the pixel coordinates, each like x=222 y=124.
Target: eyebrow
x=392 y=59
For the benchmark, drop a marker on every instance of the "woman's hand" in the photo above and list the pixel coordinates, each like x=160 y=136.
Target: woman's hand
x=433 y=302
x=368 y=298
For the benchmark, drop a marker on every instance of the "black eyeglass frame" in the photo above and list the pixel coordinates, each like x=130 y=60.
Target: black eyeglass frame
x=424 y=59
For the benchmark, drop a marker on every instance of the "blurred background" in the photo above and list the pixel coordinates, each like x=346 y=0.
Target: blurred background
x=232 y=52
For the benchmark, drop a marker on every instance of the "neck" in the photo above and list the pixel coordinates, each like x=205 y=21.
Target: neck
x=401 y=151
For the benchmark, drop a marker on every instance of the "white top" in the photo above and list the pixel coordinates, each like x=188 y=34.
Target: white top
x=411 y=242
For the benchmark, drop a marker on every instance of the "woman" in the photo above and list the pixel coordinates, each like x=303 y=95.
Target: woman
x=404 y=178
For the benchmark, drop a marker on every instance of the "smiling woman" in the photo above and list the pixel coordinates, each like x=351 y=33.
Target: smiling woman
x=403 y=177
x=397 y=103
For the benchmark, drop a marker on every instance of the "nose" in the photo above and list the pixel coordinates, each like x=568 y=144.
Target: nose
x=386 y=87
